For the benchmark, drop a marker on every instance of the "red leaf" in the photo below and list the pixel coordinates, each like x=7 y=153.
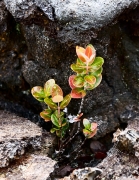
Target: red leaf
x=78 y=93
x=71 y=78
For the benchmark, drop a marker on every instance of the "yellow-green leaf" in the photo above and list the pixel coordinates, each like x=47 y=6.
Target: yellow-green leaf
x=65 y=101
x=48 y=87
x=98 y=62
x=38 y=93
x=86 y=124
x=90 y=79
x=50 y=103
x=55 y=120
x=78 y=81
x=98 y=81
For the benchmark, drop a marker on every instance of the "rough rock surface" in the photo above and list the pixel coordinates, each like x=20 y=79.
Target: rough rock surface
x=87 y=173
x=38 y=43
x=122 y=161
x=17 y=136
x=36 y=166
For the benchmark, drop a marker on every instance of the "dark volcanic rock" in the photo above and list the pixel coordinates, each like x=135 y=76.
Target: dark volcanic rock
x=38 y=40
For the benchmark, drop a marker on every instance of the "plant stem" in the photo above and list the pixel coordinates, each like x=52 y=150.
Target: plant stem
x=80 y=109
x=60 y=125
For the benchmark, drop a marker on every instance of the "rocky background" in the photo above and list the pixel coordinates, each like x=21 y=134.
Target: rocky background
x=38 y=40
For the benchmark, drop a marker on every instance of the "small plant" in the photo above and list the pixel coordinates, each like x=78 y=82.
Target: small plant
x=52 y=95
x=88 y=69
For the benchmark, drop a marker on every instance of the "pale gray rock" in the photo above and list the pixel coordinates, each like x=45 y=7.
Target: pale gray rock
x=22 y=9
x=16 y=134
x=87 y=173
x=91 y=13
x=122 y=161
x=37 y=167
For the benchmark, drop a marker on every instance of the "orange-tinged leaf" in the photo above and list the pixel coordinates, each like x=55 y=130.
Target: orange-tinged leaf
x=78 y=93
x=80 y=63
x=46 y=114
x=57 y=98
x=90 y=79
x=71 y=78
x=57 y=93
x=48 y=87
x=81 y=54
x=90 y=50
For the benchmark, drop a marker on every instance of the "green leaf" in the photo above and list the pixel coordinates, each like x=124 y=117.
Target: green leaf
x=97 y=73
x=57 y=94
x=90 y=79
x=65 y=101
x=53 y=130
x=86 y=132
x=64 y=122
x=58 y=133
x=55 y=120
x=46 y=114
x=78 y=93
x=98 y=81
x=98 y=62
x=61 y=113
x=78 y=81
x=48 y=87
x=86 y=124
x=50 y=103
x=38 y=93
x=88 y=86
x=77 y=68
x=65 y=127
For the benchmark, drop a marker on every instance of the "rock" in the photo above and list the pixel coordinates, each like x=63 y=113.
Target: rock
x=40 y=44
x=78 y=13
x=17 y=136
x=23 y=9
x=122 y=159
x=36 y=166
x=87 y=173
x=127 y=140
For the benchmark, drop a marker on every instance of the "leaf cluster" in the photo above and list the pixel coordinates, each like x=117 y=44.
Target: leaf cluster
x=88 y=69
x=52 y=95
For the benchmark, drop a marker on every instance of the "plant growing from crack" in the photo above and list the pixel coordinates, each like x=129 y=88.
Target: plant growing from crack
x=88 y=69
